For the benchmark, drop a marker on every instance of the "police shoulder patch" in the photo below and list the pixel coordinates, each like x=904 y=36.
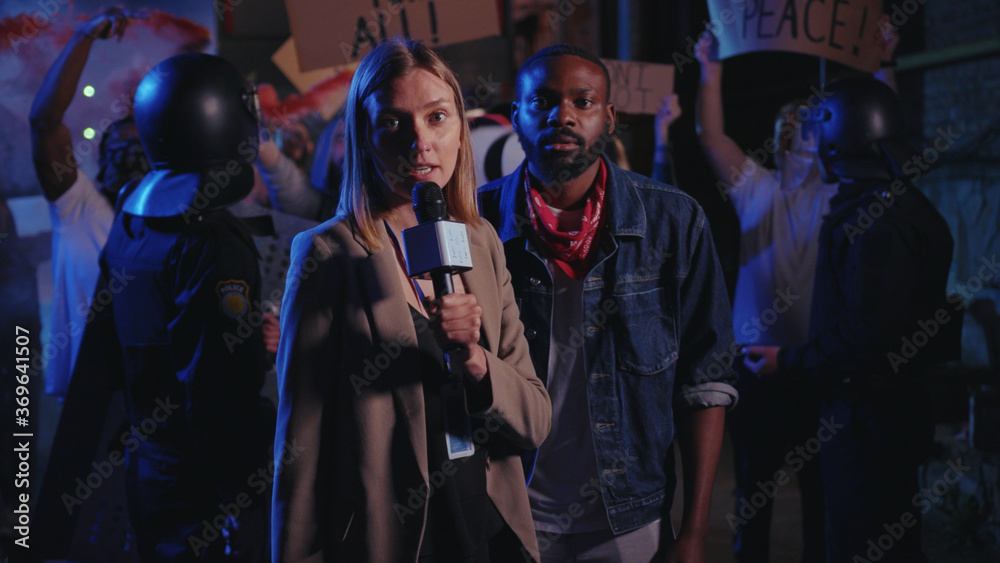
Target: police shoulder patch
x=233 y=298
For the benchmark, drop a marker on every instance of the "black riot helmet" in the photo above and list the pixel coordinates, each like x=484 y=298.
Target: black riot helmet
x=857 y=127
x=197 y=119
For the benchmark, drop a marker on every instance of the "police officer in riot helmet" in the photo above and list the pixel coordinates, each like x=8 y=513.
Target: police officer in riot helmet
x=197 y=122
x=185 y=282
x=884 y=258
x=858 y=129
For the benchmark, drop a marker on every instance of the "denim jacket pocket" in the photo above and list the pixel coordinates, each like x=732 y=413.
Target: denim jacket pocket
x=645 y=338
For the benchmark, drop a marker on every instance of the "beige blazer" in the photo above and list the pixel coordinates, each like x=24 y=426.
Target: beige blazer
x=350 y=450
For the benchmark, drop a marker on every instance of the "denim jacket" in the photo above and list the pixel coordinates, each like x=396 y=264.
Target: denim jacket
x=657 y=335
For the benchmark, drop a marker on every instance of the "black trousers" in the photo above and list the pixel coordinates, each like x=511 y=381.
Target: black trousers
x=178 y=518
x=870 y=475
x=774 y=431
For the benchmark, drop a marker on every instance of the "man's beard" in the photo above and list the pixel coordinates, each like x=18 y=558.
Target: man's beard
x=562 y=167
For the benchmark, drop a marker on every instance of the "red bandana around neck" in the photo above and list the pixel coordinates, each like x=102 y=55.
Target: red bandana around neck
x=571 y=250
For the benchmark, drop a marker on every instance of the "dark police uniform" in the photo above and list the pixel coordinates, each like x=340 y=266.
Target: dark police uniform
x=883 y=268
x=183 y=296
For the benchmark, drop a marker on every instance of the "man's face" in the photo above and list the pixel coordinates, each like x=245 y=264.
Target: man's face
x=563 y=117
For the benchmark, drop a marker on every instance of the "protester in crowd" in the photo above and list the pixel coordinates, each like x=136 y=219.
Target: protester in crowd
x=627 y=320
x=81 y=210
x=328 y=165
x=282 y=165
x=663 y=152
x=781 y=211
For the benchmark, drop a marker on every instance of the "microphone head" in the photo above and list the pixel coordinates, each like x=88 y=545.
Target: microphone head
x=428 y=202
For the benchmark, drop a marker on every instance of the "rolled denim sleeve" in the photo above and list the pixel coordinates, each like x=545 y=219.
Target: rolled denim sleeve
x=711 y=394
x=705 y=376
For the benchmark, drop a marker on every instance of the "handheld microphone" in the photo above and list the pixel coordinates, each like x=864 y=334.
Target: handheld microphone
x=439 y=248
x=436 y=247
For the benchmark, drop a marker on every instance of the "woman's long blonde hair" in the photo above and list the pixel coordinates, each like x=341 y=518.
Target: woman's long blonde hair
x=362 y=196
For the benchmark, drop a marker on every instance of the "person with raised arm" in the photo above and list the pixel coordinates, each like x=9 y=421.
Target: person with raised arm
x=81 y=210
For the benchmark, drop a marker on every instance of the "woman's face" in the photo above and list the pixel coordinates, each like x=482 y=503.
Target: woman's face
x=414 y=131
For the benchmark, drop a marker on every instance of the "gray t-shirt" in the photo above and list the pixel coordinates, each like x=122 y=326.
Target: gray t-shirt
x=565 y=493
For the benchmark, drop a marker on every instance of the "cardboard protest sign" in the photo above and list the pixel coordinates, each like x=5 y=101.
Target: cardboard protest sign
x=844 y=31
x=339 y=32
x=637 y=87
x=323 y=90
x=287 y=61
